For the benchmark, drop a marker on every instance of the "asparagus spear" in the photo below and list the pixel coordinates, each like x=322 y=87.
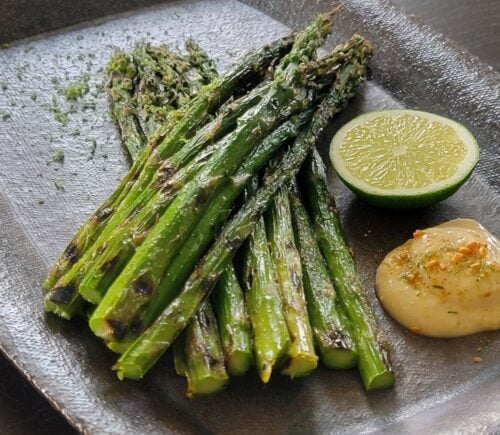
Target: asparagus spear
x=108 y=260
x=270 y=335
x=148 y=348
x=203 y=357
x=374 y=362
x=234 y=325
x=200 y=61
x=122 y=72
x=244 y=71
x=150 y=92
x=203 y=378
x=166 y=82
x=139 y=281
x=217 y=213
x=329 y=323
x=286 y=259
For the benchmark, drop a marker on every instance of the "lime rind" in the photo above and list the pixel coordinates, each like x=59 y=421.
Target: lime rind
x=406 y=198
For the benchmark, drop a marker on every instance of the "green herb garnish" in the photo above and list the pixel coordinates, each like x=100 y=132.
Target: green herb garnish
x=58 y=156
x=77 y=89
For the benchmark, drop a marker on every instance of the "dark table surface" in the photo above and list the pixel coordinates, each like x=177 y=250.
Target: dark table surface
x=471 y=24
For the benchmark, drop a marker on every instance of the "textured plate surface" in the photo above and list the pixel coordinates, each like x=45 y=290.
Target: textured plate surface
x=43 y=202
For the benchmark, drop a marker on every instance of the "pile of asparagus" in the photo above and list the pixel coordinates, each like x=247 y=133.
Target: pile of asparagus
x=211 y=242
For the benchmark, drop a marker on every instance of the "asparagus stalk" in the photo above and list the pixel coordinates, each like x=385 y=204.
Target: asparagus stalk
x=234 y=325
x=150 y=92
x=200 y=61
x=148 y=348
x=200 y=238
x=214 y=376
x=251 y=66
x=166 y=82
x=270 y=335
x=122 y=72
x=109 y=259
x=302 y=358
x=139 y=281
x=329 y=323
x=203 y=357
x=374 y=362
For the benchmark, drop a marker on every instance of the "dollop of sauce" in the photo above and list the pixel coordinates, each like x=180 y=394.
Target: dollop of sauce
x=445 y=281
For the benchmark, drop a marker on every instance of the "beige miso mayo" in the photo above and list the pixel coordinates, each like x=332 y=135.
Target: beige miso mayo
x=445 y=281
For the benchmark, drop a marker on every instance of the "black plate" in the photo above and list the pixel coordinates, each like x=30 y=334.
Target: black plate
x=41 y=205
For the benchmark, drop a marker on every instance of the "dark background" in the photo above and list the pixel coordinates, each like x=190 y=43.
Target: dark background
x=472 y=24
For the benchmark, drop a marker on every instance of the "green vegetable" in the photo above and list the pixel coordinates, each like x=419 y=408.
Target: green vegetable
x=302 y=358
x=374 y=363
x=203 y=356
x=234 y=325
x=122 y=72
x=262 y=294
x=329 y=323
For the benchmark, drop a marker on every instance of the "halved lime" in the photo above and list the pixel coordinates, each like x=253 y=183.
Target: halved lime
x=403 y=159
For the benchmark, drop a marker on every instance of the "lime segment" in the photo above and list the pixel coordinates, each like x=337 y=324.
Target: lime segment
x=403 y=158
